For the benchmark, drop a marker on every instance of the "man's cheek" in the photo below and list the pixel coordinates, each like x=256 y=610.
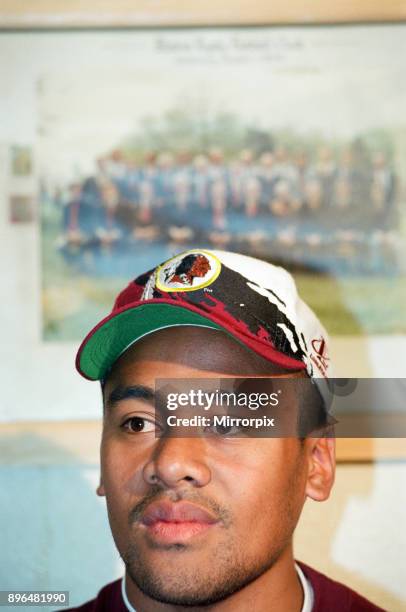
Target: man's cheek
x=113 y=468
x=122 y=477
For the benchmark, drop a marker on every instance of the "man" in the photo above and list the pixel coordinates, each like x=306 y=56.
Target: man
x=206 y=522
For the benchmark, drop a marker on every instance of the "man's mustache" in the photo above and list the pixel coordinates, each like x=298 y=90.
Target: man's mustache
x=157 y=494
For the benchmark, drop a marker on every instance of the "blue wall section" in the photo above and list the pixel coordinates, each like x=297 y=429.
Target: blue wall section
x=55 y=533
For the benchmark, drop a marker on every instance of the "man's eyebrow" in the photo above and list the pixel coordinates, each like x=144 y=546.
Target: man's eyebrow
x=120 y=393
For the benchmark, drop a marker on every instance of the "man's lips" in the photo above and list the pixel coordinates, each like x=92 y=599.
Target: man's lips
x=179 y=512
x=171 y=523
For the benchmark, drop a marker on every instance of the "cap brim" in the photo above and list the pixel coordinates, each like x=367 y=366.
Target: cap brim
x=106 y=342
x=117 y=332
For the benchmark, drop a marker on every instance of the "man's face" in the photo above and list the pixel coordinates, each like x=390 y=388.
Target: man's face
x=194 y=519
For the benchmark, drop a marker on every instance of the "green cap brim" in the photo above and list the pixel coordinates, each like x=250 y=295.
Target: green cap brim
x=105 y=345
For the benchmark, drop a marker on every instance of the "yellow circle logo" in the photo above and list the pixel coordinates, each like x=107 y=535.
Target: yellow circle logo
x=188 y=271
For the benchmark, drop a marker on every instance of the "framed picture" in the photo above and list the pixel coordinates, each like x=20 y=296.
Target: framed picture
x=21 y=209
x=241 y=139
x=21 y=160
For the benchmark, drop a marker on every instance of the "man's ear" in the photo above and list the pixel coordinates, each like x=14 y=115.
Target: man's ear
x=321 y=458
x=100 y=489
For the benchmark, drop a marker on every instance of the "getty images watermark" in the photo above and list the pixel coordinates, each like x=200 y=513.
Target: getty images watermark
x=220 y=400
x=281 y=407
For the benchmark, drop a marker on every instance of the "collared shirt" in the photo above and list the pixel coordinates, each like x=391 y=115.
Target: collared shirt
x=308 y=595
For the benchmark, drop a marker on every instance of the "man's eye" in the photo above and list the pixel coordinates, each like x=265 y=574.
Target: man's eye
x=226 y=430
x=138 y=425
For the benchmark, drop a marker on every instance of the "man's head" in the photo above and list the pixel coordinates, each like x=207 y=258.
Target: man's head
x=198 y=518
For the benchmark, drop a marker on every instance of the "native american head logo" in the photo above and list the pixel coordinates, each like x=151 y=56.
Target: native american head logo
x=187 y=272
x=190 y=267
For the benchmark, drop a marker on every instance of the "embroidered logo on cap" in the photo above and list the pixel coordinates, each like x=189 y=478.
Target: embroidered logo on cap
x=320 y=358
x=188 y=271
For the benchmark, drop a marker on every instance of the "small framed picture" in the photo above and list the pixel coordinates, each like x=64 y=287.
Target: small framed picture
x=21 y=160
x=21 y=209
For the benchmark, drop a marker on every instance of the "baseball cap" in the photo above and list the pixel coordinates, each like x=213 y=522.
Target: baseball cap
x=253 y=301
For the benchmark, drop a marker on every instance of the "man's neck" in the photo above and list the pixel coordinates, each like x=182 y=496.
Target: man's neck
x=279 y=588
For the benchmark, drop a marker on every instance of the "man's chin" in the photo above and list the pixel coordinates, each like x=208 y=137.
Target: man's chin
x=175 y=579
x=181 y=597
x=184 y=581
x=180 y=589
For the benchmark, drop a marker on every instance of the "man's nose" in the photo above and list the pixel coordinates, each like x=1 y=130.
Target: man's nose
x=178 y=460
